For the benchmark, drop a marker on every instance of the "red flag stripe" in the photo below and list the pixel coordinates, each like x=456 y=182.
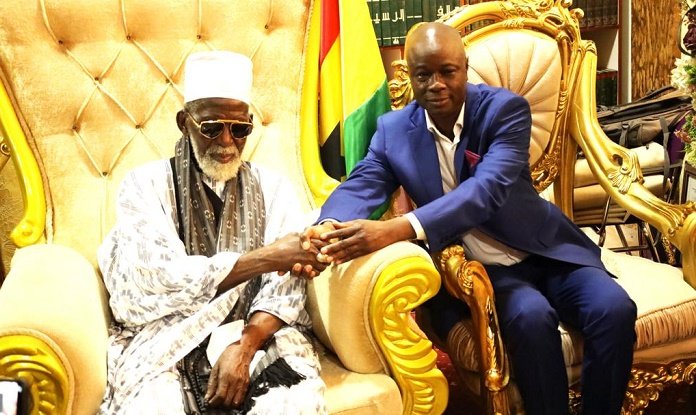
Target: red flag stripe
x=330 y=27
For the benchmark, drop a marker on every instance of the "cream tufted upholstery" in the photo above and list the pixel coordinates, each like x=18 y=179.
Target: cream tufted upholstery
x=533 y=47
x=94 y=86
x=536 y=67
x=120 y=68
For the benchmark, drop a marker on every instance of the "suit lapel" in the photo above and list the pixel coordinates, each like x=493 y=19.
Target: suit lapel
x=424 y=156
x=471 y=106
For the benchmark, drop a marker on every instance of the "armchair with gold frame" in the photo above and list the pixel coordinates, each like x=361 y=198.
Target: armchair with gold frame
x=89 y=89
x=534 y=48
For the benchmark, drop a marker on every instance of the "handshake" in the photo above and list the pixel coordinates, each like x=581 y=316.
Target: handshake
x=339 y=242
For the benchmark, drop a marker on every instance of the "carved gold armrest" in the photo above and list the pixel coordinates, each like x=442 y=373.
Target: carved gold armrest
x=399 y=289
x=28 y=356
x=54 y=317
x=468 y=281
x=362 y=311
x=13 y=143
x=618 y=171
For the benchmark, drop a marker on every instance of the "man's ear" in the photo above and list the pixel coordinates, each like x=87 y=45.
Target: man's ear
x=181 y=121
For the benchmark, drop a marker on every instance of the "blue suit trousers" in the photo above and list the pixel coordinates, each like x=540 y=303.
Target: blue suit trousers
x=531 y=298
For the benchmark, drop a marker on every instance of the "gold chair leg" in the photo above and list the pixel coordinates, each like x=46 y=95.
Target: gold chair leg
x=497 y=402
x=468 y=282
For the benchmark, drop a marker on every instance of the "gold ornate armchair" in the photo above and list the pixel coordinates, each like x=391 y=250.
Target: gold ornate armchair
x=534 y=48
x=89 y=90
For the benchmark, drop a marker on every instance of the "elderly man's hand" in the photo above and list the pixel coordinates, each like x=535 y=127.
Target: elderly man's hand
x=229 y=378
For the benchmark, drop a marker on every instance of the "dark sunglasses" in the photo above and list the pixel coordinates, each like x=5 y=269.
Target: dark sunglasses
x=212 y=129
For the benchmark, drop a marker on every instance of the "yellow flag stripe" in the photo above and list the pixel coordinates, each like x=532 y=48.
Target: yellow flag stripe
x=331 y=106
x=320 y=184
x=362 y=69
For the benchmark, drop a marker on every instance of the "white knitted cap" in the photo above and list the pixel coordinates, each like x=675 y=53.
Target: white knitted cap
x=217 y=74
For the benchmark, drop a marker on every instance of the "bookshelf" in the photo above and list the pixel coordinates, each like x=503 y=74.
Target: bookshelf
x=602 y=24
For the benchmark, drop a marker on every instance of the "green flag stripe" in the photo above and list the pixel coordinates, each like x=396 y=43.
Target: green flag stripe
x=361 y=124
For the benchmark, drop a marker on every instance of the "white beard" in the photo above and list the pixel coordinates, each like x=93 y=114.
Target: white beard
x=221 y=172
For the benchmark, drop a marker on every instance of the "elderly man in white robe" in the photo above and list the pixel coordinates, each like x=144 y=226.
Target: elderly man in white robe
x=198 y=243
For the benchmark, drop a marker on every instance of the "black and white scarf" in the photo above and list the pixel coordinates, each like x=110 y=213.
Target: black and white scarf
x=236 y=222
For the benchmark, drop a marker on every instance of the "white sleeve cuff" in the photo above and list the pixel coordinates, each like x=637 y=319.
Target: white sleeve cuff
x=415 y=223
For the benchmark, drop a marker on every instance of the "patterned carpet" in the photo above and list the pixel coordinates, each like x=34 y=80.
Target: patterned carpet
x=673 y=401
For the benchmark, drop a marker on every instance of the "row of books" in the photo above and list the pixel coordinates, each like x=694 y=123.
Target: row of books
x=598 y=13
x=392 y=19
x=606 y=87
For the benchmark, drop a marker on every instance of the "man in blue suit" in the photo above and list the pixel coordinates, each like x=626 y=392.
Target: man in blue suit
x=461 y=152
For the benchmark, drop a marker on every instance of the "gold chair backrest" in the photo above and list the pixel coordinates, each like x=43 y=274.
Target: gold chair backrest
x=95 y=85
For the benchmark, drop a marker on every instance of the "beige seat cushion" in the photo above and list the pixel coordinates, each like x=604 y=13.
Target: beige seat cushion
x=650 y=156
x=378 y=393
x=594 y=196
x=589 y=198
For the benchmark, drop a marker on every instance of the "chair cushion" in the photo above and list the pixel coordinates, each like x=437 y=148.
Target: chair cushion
x=666 y=308
x=650 y=156
x=589 y=198
x=666 y=303
x=378 y=393
x=593 y=197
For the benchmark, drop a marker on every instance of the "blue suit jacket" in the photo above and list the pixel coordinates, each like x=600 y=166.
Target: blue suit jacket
x=495 y=194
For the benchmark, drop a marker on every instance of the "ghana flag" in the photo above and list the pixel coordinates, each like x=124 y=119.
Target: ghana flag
x=351 y=89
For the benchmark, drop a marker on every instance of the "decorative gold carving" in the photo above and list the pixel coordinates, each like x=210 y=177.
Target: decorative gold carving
x=33 y=361
x=562 y=103
x=546 y=170
x=469 y=282
x=669 y=250
x=4 y=153
x=649 y=380
x=400 y=91
x=626 y=171
x=574 y=402
x=32 y=224
x=521 y=8
x=401 y=287
x=514 y=24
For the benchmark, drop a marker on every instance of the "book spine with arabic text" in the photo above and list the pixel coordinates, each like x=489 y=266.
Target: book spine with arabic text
x=385 y=22
x=376 y=18
x=398 y=21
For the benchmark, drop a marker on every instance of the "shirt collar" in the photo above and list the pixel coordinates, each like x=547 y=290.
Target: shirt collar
x=457 y=129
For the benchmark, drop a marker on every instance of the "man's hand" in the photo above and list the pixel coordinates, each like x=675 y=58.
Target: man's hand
x=229 y=378
x=360 y=237
x=289 y=253
x=315 y=233
x=312 y=242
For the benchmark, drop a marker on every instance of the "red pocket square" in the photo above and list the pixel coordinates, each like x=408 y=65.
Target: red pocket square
x=472 y=158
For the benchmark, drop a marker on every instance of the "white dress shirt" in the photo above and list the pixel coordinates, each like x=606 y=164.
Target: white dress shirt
x=477 y=245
